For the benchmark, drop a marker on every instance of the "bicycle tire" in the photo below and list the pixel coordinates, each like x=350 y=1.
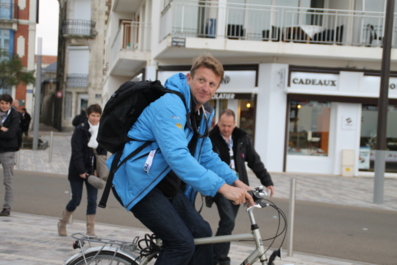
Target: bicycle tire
x=104 y=257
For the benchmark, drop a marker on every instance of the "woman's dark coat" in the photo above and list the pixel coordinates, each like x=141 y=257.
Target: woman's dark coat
x=82 y=159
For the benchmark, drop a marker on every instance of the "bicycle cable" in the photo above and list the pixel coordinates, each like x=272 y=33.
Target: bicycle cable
x=284 y=229
x=278 y=232
x=151 y=245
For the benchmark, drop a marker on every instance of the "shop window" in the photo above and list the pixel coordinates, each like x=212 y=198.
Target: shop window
x=309 y=128
x=247 y=117
x=218 y=105
x=368 y=138
x=244 y=110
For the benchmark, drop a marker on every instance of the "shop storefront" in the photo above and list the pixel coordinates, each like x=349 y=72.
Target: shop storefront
x=332 y=122
x=307 y=120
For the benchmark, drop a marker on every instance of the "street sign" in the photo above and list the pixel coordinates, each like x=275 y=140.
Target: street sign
x=58 y=94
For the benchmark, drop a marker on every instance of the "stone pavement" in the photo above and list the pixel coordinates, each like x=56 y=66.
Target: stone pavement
x=28 y=239
x=31 y=239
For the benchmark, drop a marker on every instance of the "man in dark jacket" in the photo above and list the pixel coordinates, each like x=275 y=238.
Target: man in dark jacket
x=9 y=132
x=25 y=121
x=234 y=148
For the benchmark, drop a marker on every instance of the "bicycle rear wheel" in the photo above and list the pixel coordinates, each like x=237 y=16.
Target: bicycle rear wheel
x=104 y=257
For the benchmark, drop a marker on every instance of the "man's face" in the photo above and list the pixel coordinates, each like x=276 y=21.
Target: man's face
x=203 y=85
x=226 y=125
x=4 y=106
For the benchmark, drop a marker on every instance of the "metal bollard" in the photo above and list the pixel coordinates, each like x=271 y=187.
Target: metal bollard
x=291 y=218
x=50 y=149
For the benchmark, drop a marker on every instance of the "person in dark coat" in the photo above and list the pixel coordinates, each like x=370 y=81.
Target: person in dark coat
x=9 y=145
x=25 y=121
x=82 y=164
x=80 y=118
x=234 y=148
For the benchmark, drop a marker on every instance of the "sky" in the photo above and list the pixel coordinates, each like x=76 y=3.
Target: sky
x=47 y=28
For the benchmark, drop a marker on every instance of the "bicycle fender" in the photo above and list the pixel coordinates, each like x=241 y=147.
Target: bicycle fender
x=101 y=248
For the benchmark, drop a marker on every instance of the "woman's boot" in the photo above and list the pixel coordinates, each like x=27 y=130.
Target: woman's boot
x=63 y=221
x=90 y=224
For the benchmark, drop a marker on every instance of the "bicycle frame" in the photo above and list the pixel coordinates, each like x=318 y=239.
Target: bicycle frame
x=129 y=250
x=258 y=253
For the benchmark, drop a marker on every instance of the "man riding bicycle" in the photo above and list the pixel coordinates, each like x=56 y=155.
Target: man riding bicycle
x=158 y=184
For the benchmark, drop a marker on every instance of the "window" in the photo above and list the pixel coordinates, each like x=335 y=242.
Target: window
x=309 y=128
x=68 y=106
x=368 y=138
x=6 y=8
x=5 y=49
x=5 y=40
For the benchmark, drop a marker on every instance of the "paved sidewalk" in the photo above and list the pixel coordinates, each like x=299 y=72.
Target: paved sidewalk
x=31 y=239
x=28 y=239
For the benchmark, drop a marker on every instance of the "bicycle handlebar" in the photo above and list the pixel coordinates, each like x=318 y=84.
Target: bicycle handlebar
x=258 y=194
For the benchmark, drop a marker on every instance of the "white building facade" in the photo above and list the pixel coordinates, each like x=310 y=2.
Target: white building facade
x=302 y=76
x=80 y=59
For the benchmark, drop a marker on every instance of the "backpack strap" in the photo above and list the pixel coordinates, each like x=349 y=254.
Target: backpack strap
x=114 y=167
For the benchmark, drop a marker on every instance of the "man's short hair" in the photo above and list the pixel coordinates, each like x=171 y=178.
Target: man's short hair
x=228 y=112
x=94 y=108
x=6 y=98
x=209 y=62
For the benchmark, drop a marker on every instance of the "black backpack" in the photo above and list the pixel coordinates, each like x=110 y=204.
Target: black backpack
x=120 y=113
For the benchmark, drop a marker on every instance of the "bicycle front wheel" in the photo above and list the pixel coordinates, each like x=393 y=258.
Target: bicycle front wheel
x=103 y=257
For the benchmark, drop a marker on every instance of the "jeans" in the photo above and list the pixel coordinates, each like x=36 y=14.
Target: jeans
x=77 y=193
x=176 y=222
x=7 y=159
x=227 y=213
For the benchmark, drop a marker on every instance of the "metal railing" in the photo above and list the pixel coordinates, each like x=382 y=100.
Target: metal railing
x=78 y=28
x=8 y=11
x=134 y=36
x=77 y=80
x=273 y=23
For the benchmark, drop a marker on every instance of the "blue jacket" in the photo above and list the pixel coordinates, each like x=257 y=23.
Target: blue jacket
x=163 y=122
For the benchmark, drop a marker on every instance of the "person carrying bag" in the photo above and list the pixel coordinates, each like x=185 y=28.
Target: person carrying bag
x=82 y=170
x=100 y=170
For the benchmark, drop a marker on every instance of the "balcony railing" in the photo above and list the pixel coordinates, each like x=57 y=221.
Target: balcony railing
x=8 y=11
x=77 y=80
x=273 y=23
x=78 y=28
x=134 y=36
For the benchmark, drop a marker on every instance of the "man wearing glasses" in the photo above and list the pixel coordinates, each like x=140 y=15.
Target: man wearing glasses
x=158 y=184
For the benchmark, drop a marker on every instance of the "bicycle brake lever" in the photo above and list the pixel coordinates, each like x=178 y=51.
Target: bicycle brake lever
x=263 y=204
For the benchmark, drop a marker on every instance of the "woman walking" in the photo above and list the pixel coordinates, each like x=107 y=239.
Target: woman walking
x=82 y=164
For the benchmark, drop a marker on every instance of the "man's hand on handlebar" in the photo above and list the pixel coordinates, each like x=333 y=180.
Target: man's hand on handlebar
x=270 y=191
x=238 y=194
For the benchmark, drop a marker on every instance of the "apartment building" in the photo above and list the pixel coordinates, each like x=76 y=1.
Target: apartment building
x=18 y=19
x=303 y=76
x=80 y=58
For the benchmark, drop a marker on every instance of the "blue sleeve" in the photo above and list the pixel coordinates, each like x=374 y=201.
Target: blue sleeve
x=212 y=161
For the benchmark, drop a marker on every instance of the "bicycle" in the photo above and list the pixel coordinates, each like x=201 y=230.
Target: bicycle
x=113 y=251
